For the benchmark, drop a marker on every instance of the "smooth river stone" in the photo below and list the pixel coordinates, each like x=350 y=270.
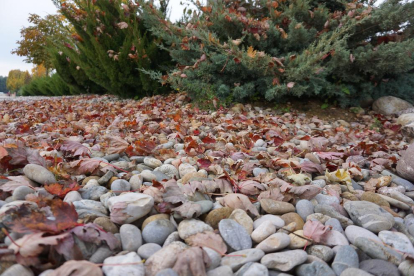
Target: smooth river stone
x=284 y=261
x=238 y=258
x=235 y=236
x=39 y=174
x=353 y=232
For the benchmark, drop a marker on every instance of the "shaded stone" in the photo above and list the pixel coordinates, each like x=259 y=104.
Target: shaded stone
x=189 y=227
x=131 y=237
x=234 y=235
x=379 y=267
x=398 y=241
x=106 y=224
x=132 y=257
x=296 y=241
x=323 y=252
x=389 y=105
x=293 y=217
x=252 y=269
x=223 y=270
x=263 y=231
x=39 y=174
x=164 y=258
x=353 y=232
x=376 y=250
x=276 y=220
x=314 y=269
x=153 y=218
x=304 y=208
x=405 y=165
x=147 y=250
x=329 y=211
x=275 y=242
x=346 y=257
x=352 y=271
x=242 y=218
x=157 y=231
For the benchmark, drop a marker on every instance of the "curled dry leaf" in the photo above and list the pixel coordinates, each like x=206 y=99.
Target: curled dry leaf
x=61 y=189
x=116 y=144
x=238 y=201
x=75 y=148
x=77 y=268
x=192 y=261
x=208 y=239
x=188 y=210
x=16 y=181
x=83 y=166
x=315 y=230
x=32 y=245
x=250 y=187
x=93 y=233
x=173 y=193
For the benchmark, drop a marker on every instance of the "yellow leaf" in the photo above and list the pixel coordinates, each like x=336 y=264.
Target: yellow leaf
x=251 y=53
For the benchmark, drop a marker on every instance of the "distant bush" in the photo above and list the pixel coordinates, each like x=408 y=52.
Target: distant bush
x=241 y=50
x=48 y=86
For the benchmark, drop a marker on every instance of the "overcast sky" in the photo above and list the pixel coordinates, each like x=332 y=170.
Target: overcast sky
x=13 y=16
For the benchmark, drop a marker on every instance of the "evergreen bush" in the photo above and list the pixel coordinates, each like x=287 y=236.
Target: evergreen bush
x=48 y=86
x=273 y=49
x=109 y=45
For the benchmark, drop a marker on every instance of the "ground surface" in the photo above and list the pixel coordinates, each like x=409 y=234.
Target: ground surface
x=86 y=177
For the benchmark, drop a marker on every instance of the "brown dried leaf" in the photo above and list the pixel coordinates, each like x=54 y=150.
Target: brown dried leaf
x=238 y=201
x=250 y=187
x=192 y=261
x=116 y=144
x=208 y=239
x=189 y=210
x=77 y=268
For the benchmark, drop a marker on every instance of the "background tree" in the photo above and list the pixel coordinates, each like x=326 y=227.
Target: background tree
x=17 y=79
x=39 y=71
x=36 y=39
x=3 y=81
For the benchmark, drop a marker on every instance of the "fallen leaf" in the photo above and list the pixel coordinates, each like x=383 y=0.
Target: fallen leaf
x=75 y=148
x=299 y=178
x=94 y=234
x=208 y=239
x=315 y=230
x=16 y=181
x=61 y=189
x=188 y=209
x=250 y=187
x=77 y=268
x=83 y=166
x=116 y=144
x=238 y=201
x=192 y=261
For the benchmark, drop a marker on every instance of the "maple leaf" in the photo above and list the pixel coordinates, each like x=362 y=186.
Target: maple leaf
x=173 y=193
x=330 y=155
x=94 y=234
x=192 y=261
x=31 y=245
x=18 y=156
x=75 y=148
x=83 y=166
x=3 y=152
x=208 y=239
x=189 y=210
x=77 y=268
x=311 y=167
x=54 y=218
x=315 y=230
x=62 y=188
x=144 y=147
x=116 y=144
x=16 y=181
x=238 y=201
x=250 y=187
x=251 y=52
x=204 y=163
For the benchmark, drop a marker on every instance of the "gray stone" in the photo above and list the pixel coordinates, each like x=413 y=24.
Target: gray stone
x=148 y=175
x=235 y=236
x=152 y=162
x=120 y=186
x=326 y=199
x=379 y=267
x=166 y=272
x=39 y=174
x=304 y=208
x=284 y=261
x=265 y=229
x=323 y=252
x=21 y=192
x=238 y=258
x=252 y=269
x=353 y=232
x=389 y=105
x=397 y=240
x=346 y=257
x=101 y=254
x=147 y=250
x=129 y=207
x=105 y=178
x=86 y=207
x=132 y=257
x=94 y=192
x=160 y=176
x=215 y=257
x=224 y=270
x=329 y=211
x=259 y=171
x=405 y=165
x=111 y=157
x=169 y=170
x=174 y=236
x=336 y=225
x=206 y=205
x=369 y=215
x=158 y=231
x=352 y=271
x=276 y=220
x=17 y=269
x=314 y=269
x=334 y=238
x=131 y=238
x=399 y=181
x=377 y=250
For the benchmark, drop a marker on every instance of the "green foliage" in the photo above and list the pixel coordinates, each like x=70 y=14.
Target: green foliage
x=3 y=81
x=108 y=47
x=273 y=49
x=48 y=86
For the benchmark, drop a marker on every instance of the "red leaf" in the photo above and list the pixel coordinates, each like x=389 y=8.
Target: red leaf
x=208 y=140
x=61 y=189
x=204 y=163
x=76 y=148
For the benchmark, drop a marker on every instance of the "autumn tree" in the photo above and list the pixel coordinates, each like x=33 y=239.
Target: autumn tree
x=263 y=49
x=37 y=38
x=17 y=79
x=39 y=71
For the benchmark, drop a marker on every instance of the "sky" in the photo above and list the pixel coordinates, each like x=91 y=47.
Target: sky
x=13 y=16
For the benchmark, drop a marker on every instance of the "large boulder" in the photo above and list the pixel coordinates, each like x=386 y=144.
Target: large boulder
x=405 y=166
x=390 y=105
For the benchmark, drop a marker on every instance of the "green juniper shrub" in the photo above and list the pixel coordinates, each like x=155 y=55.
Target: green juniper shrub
x=302 y=48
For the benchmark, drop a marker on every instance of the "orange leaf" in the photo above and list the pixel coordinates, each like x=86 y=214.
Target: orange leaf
x=251 y=52
x=3 y=152
x=61 y=189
